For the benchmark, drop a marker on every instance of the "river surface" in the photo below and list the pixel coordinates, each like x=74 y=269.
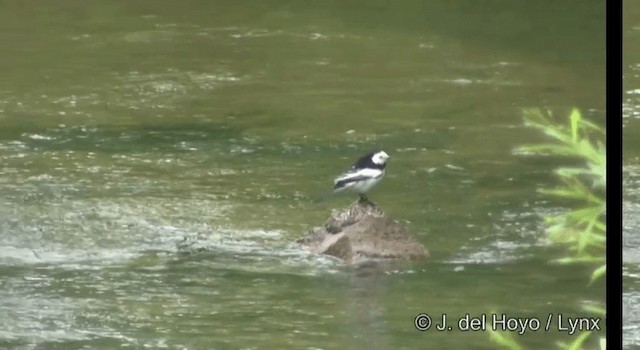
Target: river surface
x=158 y=158
x=631 y=177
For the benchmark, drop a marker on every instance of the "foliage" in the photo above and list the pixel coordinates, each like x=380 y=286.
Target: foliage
x=583 y=229
x=504 y=339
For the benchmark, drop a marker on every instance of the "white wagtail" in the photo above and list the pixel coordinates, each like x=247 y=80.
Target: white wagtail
x=363 y=174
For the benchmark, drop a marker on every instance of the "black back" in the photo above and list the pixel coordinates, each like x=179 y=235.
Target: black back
x=366 y=162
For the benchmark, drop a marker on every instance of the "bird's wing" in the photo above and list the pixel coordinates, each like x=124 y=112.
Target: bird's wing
x=343 y=182
x=354 y=176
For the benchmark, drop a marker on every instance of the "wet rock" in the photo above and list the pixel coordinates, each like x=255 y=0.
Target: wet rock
x=362 y=232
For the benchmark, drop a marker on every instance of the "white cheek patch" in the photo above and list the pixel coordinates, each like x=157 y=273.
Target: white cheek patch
x=380 y=158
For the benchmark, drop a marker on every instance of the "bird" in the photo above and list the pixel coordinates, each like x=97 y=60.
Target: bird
x=363 y=175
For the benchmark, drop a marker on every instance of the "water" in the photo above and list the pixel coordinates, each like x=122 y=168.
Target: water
x=158 y=159
x=631 y=171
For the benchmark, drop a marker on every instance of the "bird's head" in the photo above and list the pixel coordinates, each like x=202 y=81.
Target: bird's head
x=380 y=157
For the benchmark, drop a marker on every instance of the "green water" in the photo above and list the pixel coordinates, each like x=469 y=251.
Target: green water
x=158 y=158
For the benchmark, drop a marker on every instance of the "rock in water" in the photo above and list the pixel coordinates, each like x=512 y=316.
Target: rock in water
x=362 y=232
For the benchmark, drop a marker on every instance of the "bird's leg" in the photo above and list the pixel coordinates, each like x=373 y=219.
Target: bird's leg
x=363 y=198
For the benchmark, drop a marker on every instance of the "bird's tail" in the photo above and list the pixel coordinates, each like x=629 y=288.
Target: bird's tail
x=323 y=198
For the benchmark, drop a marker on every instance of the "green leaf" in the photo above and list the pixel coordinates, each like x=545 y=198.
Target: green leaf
x=589 y=125
x=575 y=118
x=600 y=226
x=598 y=273
x=573 y=191
x=577 y=343
x=597 y=310
x=585 y=239
x=504 y=339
